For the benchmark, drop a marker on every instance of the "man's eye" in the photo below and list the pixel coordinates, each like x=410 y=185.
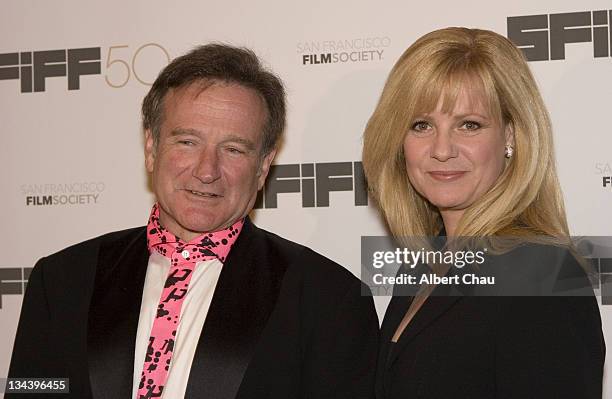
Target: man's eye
x=471 y=125
x=186 y=142
x=235 y=150
x=420 y=126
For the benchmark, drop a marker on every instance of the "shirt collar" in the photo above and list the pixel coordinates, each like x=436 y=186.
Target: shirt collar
x=216 y=244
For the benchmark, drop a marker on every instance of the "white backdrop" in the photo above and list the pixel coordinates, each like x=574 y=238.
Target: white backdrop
x=86 y=144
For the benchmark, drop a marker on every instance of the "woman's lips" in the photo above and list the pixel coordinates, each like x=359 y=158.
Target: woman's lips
x=447 y=175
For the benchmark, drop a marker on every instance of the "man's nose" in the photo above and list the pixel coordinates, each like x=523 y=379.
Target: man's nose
x=443 y=146
x=207 y=168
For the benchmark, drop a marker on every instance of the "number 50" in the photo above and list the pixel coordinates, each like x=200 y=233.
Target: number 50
x=130 y=68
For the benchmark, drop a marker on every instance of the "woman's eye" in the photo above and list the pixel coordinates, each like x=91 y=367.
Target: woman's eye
x=471 y=125
x=420 y=126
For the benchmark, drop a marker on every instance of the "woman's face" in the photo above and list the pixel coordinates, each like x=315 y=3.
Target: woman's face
x=453 y=158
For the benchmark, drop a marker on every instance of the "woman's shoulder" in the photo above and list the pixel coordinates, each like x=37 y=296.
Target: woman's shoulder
x=536 y=269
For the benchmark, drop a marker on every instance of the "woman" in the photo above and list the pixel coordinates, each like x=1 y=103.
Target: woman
x=460 y=144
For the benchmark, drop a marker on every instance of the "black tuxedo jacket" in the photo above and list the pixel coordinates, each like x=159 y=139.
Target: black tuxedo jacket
x=284 y=322
x=464 y=345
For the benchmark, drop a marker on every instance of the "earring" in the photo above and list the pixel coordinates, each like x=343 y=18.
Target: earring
x=509 y=151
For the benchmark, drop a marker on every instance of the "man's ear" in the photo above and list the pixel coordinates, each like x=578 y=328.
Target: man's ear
x=149 y=151
x=264 y=168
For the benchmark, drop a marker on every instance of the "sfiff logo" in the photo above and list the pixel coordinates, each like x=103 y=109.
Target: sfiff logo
x=33 y=68
x=342 y=51
x=543 y=37
x=604 y=169
x=315 y=182
x=13 y=281
x=122 y=65
x=76 y=193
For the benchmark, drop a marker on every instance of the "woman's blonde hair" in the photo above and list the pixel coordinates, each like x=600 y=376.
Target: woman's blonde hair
x=526 y=199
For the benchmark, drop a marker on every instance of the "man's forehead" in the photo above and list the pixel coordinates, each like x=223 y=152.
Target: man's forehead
x=204 y=88
x=206 y=106
x=217 y=98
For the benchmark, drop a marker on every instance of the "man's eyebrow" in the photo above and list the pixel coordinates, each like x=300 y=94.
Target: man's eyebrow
x=230 y=139
x=184 y=132
x=240 y=140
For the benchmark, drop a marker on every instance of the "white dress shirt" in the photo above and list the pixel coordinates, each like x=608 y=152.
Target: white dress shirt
x=193 y=314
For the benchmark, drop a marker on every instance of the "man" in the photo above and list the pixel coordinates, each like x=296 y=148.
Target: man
x=201 y=303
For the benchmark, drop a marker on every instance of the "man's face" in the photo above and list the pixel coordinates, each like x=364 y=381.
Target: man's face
x=207 y=167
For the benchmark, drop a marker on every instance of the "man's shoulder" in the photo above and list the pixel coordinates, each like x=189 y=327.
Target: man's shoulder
x=91 y=246
x=77 y=263
x=305 y=261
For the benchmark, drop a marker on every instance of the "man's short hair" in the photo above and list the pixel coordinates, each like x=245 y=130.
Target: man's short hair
x=219 y=63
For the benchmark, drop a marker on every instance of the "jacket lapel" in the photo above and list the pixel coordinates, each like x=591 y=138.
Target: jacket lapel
x=244 y=298
x=393 y=316
x=399 y=304
x=440 y=300
x=114 y=313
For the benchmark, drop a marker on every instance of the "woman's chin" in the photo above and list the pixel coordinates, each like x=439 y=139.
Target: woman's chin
x=445 y=203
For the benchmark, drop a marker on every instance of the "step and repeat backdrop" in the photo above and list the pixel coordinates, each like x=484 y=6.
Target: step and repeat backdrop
x=73 y=75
